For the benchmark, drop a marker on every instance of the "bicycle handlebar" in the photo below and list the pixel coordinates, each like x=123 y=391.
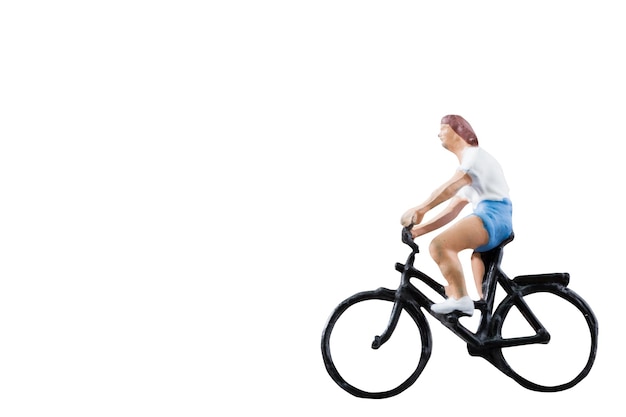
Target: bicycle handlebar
x=407 y=238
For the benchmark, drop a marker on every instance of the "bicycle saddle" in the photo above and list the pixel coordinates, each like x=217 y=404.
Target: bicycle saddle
x=495 y=255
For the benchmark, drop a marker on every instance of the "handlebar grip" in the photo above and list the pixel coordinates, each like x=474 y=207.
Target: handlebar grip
x=407 y=238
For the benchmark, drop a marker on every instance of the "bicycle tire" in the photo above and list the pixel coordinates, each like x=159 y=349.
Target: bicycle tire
x=573 y=339
x=362 y=300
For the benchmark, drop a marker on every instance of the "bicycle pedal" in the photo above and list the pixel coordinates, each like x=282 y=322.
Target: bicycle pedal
x=456 y=315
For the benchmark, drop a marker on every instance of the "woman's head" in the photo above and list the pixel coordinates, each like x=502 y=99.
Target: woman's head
x=461 y=127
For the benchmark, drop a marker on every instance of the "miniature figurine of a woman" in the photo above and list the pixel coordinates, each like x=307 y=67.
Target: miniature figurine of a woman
x=479 y=180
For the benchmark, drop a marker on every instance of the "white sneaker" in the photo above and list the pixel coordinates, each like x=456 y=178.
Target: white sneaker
x=464 y=304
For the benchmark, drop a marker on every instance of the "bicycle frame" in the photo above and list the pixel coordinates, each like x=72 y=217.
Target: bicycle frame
x=484 y=340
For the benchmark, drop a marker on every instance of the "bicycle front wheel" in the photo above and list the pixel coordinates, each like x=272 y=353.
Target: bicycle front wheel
x=569 y=354
x=362 y=370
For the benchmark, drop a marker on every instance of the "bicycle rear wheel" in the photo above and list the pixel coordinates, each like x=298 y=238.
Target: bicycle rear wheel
x=568 y=356
x=375 y=373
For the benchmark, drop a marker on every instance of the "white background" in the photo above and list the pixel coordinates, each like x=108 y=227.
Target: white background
x=189 y=188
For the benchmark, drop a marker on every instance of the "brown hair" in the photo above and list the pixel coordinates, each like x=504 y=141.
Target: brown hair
x=461 y=127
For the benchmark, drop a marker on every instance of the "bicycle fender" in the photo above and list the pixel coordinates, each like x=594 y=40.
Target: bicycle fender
x=561 y=278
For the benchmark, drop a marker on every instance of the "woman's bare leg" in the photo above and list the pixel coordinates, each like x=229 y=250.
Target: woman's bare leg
x=478 y=270
x=468 y=233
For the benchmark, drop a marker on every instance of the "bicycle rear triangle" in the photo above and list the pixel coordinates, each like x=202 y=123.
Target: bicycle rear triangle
x=541 y=334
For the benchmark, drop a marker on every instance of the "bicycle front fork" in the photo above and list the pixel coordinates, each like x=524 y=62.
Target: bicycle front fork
x=393 y=322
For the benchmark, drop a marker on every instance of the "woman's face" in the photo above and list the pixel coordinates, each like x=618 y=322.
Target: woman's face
x=447 y=136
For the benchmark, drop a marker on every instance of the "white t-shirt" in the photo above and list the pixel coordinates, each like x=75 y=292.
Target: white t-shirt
x=488 y=182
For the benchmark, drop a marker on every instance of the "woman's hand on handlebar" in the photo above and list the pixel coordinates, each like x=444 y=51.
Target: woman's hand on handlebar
x=417 y=231
x=411 y=217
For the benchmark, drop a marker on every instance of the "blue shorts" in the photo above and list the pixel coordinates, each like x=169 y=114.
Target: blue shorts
x=497 y=217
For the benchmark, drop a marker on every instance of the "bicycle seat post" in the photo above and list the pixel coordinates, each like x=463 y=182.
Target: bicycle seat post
x=492 y=260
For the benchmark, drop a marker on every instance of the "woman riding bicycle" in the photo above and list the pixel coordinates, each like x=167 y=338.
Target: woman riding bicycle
x=479 y=180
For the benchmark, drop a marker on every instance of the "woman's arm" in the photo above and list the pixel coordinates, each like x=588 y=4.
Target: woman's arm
x=441 y=194
x=446 y=216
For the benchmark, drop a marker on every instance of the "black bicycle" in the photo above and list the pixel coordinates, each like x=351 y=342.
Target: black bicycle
x=542 y=334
